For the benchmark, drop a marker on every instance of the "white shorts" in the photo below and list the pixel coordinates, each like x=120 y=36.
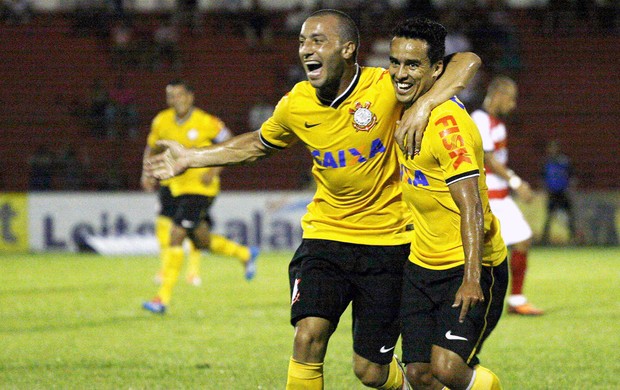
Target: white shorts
x=514 y=227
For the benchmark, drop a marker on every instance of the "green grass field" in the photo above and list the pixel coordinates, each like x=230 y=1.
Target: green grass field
x=75 y=322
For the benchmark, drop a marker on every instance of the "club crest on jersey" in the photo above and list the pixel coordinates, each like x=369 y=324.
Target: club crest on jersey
x=192 y=134
x=363 y=118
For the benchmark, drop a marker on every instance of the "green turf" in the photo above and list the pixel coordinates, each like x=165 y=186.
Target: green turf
x=75 y=322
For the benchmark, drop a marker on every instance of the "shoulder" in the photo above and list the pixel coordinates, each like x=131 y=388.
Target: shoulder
x=206 y=117
x=450 y=108
x=375 y=75
x=163 y=115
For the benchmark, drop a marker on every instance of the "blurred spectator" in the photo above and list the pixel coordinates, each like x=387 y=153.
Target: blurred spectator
x=257 y=27
x=118 y=8
x=41 y=169
x=608 y=16
x=125 y=109
x=504 y=36
x=188 y=15
x=379 y=54
x=456 y=39
x=259 y=113
x=421 y=8
x=375 y=15
x=16 y=11
x=114 y=177
x=100 y=111
x=294 y=74
x=122 y=45
x=296 y=16
x=70 y=170
x=90 y=18
x=557 y=174
x=166 y=43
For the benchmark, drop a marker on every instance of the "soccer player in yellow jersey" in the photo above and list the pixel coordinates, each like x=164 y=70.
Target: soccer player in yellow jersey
x=456 y=278
x=192 y=194
x=356 y=232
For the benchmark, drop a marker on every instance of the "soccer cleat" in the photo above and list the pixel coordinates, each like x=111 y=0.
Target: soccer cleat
x=194 y=280
x=250 y=265
x=526 y=309
x=155 y=306
x=406 y=384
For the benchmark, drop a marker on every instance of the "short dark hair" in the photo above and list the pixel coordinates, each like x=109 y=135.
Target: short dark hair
x=347 y=30
x=181 y=83
x=426 y=30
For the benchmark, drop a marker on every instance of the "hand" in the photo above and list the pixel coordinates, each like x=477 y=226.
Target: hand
x=171 y=162
x=410 y=129
x=524 y=192
x=148 y=183
x=468 y=296
x=208 y=177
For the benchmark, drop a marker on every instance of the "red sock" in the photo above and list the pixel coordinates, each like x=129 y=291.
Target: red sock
x=518 y=266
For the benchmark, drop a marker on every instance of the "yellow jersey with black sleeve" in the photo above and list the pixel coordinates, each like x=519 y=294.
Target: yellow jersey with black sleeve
x=451 y=150
x=351 y=140
x=199 y=129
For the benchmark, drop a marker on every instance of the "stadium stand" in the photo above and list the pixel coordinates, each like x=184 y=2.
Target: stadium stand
x=568 y=91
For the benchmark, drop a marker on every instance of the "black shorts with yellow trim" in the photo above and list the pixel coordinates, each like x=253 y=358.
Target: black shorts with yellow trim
x=167 y=202
x=192 y=209
x=325 y=276
x=429 y=318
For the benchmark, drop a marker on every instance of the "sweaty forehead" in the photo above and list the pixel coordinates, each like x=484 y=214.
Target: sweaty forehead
x=321 y=25
x=409 y=48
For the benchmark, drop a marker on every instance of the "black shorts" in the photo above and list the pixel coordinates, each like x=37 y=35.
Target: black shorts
x=192 y=209
x=429 y=318
x=325 y=276
x=167 y=202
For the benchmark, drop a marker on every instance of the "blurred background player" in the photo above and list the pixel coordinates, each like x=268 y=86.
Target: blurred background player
x=501 y=100
x=557 y=175
x=190 y=196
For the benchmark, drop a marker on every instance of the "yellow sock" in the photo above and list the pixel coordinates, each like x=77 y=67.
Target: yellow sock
x=485 y=380
x=304 y=376
x=173 y=260
x=162 y=233
x=194 y=257
x=395 y=377
x=223 y=246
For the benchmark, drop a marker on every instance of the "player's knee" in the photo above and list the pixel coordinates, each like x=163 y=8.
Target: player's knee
x=370 y=374
x=311 y=338
x=420 y=375
x=452 y=372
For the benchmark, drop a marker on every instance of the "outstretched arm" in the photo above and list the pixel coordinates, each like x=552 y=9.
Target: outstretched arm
x=467 y=198
x=176 y=159
x=521 y=187
x=148 y=183
x=459 y=69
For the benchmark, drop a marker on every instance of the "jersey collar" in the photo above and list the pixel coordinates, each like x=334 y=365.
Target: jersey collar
x=343 y=96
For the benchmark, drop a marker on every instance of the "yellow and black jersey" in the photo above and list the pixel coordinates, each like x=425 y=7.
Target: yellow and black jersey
x=198 y=130
x=358 y=199
x=451 y=150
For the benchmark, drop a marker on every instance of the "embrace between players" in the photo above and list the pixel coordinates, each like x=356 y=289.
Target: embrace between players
x=404 y=233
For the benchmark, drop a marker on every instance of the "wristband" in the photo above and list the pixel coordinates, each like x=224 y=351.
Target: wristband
x=515 y=182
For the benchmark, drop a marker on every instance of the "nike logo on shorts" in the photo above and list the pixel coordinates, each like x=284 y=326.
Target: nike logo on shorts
x=450 y=336
x=308 y=125
x=385 y=350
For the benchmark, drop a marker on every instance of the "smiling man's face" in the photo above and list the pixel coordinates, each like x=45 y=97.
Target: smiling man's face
x=321 y=51
x=411 y=70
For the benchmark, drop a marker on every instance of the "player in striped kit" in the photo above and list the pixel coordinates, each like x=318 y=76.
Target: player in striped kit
x=501 y=99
